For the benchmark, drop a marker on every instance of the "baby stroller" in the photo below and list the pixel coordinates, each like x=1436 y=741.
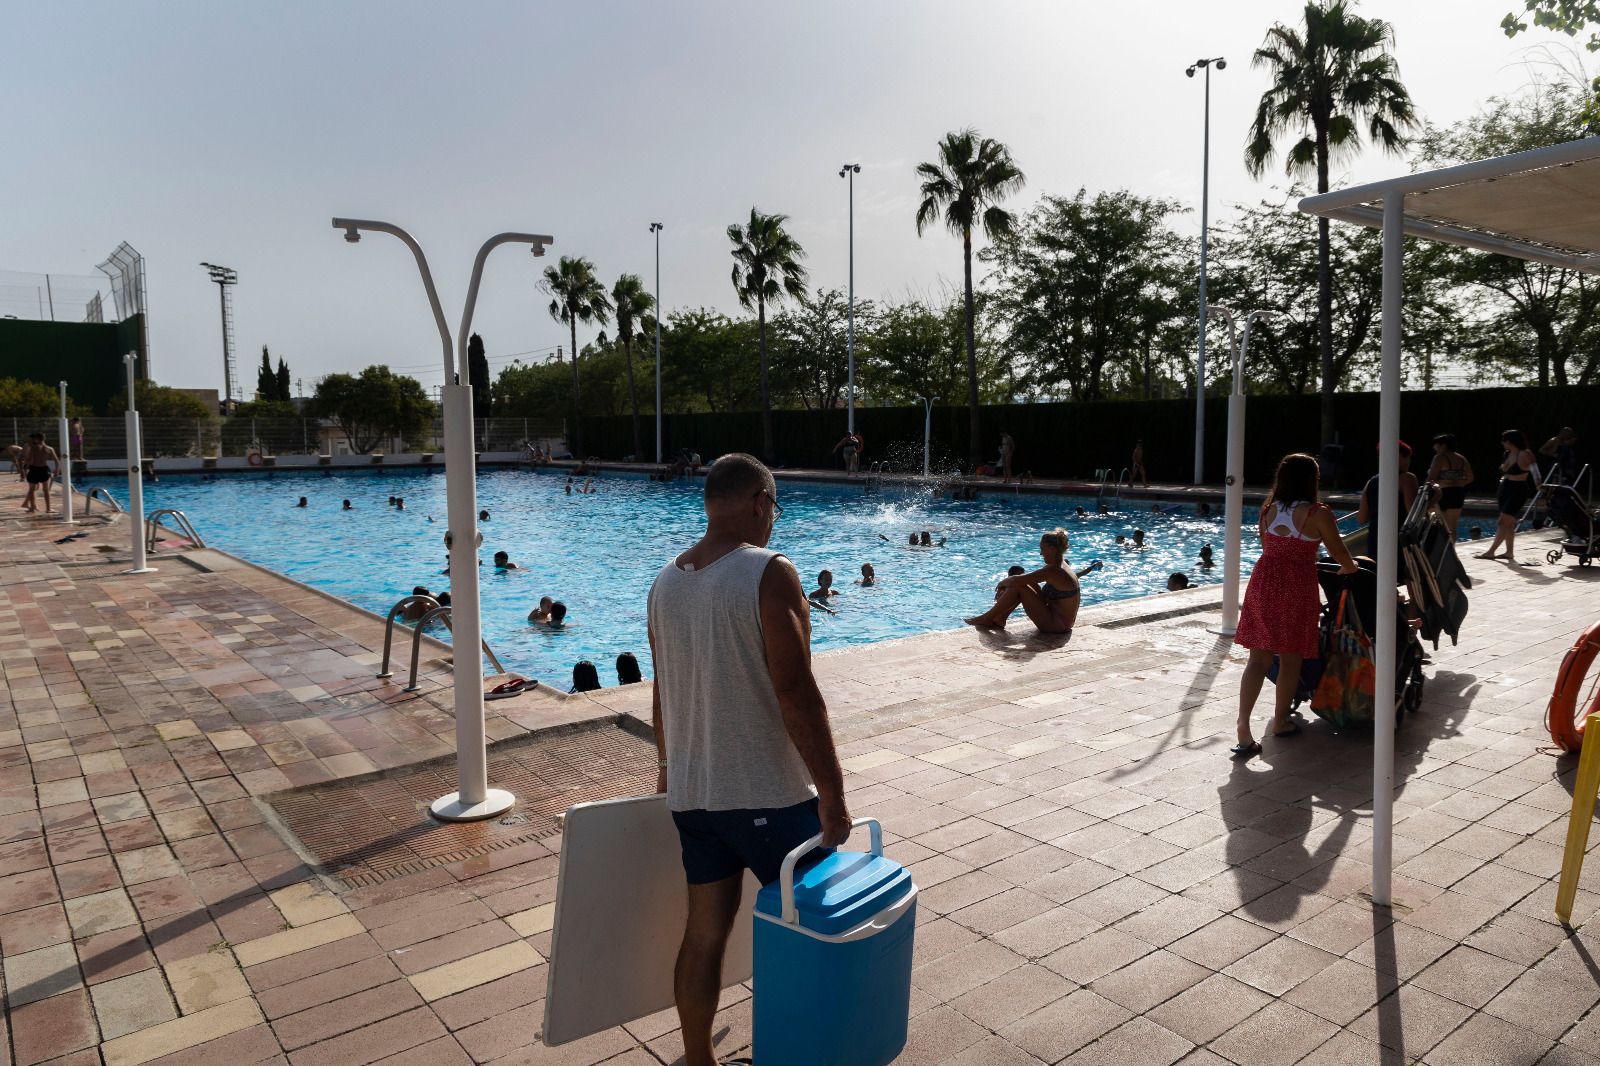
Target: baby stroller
x=1345 y=638
x=1581 y=525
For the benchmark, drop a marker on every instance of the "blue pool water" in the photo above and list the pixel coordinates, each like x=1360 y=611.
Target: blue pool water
x=600 y=553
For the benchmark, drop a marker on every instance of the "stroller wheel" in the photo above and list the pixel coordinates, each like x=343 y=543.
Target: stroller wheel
x=1553 y=555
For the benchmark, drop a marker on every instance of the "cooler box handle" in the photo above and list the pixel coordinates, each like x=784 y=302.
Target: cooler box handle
x=791 y=915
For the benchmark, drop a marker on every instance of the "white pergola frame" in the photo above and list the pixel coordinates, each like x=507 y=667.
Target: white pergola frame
x=1384 y=205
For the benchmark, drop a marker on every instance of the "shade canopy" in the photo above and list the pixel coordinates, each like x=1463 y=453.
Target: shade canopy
x=1541 y=205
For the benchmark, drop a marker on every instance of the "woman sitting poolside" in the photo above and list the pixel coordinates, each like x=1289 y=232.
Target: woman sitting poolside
x=1049 y=594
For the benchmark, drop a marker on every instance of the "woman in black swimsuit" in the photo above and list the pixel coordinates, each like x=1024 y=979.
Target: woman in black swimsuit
x=1516 y=486
x=1452 y=473
x=1049 y=594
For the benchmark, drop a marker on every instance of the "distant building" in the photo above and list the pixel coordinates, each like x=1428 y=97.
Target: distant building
x=210 y=397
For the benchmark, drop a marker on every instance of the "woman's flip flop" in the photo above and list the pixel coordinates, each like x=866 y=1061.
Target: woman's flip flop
x=506 y=689
x=1244 y=751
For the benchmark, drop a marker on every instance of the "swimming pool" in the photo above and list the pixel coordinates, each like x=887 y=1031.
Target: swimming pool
x=599 y=553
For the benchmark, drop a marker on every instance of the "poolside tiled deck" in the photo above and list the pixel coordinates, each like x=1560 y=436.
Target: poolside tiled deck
x=1100 y=883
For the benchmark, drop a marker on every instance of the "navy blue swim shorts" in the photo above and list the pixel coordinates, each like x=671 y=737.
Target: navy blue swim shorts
x=720 y=844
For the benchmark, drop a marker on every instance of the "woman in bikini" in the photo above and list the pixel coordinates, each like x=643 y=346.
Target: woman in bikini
x=1049 y=594
x=1452 y=473
x=1281 y=602
x=1516 y=486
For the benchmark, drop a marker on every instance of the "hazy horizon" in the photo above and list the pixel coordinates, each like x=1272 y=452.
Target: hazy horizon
x=233 y=135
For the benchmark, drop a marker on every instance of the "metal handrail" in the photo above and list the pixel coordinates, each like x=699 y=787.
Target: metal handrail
x=185 y=527
x=1105 y=473
x=1116 y=492
x=388 y=626
x=443 y=613
x=89 y=498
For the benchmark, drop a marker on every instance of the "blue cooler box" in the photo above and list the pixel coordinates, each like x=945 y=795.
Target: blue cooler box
x=832 y=951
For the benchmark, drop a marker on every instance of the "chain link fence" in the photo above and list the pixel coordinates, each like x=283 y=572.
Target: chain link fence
x=193 y=438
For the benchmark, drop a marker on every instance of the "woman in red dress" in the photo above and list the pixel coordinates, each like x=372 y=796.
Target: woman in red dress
x=1281 y=603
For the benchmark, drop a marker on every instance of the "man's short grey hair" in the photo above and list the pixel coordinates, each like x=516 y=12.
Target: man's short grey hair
x=737 y=475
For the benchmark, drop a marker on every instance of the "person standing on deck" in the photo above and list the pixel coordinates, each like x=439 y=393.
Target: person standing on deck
x=1136 y=465
x=748 y=762
x=36 y=459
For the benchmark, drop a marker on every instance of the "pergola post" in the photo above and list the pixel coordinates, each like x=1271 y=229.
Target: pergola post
x=1387 y=532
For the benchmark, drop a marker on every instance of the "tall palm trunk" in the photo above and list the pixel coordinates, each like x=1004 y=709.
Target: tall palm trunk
x=577 y=398
x=974 y=429
x=1324 y=297
x=633 y=397
x=766 y=402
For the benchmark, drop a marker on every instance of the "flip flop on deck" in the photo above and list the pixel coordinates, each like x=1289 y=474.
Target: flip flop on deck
x=506 y=689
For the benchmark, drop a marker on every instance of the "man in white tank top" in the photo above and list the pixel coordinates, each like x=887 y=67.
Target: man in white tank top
x=747 y=757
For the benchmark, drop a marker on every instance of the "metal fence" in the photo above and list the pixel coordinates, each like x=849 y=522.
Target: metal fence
x=104 y=438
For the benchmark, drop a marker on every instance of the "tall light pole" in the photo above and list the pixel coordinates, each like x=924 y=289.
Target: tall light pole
x=226 y=278
x=1205 y=220
x=474 y=799
x=656 y=228
x=849 y=172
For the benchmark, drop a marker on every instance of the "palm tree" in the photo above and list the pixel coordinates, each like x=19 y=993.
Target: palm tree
x=766 y=268
x=631 y=303
x=578 y=297
x=1329 y=78
x=968 y=182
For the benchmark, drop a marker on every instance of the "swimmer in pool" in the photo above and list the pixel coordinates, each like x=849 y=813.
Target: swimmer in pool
x=1206 y=562
x=347 y=506
x=869 y=577
x=302 y=502
x=541 y=613
x=1178 y=581
x=824 y=588
x=502 y=561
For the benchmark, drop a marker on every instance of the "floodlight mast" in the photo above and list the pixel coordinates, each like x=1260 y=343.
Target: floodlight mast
x=1205 y=220
x=226 y=277
x=474 y=799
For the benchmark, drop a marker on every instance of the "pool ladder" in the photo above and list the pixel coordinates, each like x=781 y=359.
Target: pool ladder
x=433 y=610
x=875 y=474
x=1116 y=490
x=153 y=527
x=91 y=495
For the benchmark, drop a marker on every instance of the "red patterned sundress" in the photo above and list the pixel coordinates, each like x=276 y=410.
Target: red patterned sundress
x=1281 y=602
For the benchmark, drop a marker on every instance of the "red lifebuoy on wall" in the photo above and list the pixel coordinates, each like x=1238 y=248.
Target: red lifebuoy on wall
x=253 y=458
x=1562 y=717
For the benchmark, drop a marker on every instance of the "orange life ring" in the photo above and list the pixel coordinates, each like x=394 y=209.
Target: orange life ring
x=1561 y=717
x=253 y=458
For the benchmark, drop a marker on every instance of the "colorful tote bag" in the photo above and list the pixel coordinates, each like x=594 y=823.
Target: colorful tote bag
x=1344 y=694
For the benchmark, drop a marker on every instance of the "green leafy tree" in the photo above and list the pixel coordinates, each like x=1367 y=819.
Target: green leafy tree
x=159 y=401
x=478 y=378
x=1330 y=77
x=810 y=353
x=266 y=380
x=285 y=392
x=374 y=405
x=34 y=399
x=917 y=349
x=964 y=188
x=1529 y=309
x=1562 y=16
x=706 y=361
x=1084 y=284
x=766 y=268
x=631 y=303
x=576 y=296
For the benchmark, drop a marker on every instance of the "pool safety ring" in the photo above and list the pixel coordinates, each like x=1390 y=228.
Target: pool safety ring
x=1562 y=717
x=253 y=457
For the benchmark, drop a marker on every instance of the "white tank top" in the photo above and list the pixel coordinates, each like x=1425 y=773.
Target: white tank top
x=727 y=748
x=1281 y=523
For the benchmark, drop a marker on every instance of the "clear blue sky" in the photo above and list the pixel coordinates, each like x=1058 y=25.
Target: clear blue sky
x=232 y=133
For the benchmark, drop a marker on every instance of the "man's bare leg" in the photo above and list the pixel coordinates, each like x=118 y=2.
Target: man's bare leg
x=697 y=980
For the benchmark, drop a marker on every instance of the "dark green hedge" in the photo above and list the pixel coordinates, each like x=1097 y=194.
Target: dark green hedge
x=1074 y=439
